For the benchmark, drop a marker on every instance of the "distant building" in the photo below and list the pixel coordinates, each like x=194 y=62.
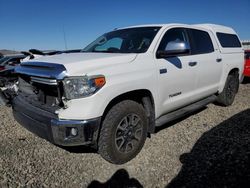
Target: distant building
x=246 y=44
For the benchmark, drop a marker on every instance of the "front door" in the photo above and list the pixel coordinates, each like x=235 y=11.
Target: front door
x=177 y=74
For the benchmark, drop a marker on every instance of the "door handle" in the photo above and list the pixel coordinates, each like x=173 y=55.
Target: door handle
x=163 y=71
x=218 y=60
x=193 y=63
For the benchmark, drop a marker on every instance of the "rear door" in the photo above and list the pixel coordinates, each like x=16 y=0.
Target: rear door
x=208 y=62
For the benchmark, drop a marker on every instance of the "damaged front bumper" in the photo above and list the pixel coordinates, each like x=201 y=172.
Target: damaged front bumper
x=3 y=99
x=7 y=93
x=47 y=125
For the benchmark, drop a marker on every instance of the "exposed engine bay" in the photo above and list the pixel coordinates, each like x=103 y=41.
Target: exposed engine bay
x=44 y=96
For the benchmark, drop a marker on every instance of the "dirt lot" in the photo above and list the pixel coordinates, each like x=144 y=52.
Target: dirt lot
x=208 y=149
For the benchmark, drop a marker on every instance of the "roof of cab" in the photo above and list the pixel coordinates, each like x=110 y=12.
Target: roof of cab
x=213 y=27
x=216 y=28
x=153 y=25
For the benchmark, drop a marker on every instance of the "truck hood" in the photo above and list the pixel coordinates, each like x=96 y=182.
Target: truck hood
x=82 y=63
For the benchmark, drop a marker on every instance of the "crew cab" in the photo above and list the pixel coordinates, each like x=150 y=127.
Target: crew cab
x=114 y=93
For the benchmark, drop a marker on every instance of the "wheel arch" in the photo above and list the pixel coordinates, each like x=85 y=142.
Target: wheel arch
x=233 y=71
x=141 y=96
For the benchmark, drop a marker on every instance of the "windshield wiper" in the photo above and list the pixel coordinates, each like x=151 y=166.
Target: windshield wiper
x=72 y=51
x=105 y=51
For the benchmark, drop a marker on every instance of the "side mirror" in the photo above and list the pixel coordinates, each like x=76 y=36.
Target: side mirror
x=174 y=48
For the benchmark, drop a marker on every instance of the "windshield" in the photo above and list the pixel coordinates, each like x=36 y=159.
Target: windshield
x=11 y=60
x=132 y=40
x=3 y=60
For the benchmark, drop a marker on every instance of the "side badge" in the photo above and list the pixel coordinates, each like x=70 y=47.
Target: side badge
x=174 y=94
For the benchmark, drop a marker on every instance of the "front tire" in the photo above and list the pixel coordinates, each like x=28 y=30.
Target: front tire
x=226 y=97
x=123 y=132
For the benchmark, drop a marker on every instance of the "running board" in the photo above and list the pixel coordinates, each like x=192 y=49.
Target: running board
x=184 y=111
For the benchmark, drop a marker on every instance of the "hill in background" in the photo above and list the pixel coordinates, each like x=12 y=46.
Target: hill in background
x=8 y=52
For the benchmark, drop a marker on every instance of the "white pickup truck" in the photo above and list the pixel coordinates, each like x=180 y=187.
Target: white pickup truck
x=116 y=91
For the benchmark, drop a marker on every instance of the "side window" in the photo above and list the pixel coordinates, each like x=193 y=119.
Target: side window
x=247 y=55
x=201 y=42
x=112 y=43
x=175 y=34
x=228 y=40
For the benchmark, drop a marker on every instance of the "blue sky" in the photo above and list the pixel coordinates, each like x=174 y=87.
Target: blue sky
x=40 y=24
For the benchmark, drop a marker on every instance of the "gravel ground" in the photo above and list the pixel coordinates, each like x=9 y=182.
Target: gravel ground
x=208 y=149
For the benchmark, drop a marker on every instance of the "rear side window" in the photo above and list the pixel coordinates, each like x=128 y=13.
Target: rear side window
x=201 y=42
x=228 y=40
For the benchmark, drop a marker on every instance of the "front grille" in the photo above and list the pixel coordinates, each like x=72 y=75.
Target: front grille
x=45 y=81
x=41 y=92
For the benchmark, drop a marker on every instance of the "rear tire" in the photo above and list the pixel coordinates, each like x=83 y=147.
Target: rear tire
x=123 y=132
x=226 y=97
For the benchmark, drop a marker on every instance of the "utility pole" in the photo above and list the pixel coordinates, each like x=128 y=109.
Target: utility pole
x=65 y=41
